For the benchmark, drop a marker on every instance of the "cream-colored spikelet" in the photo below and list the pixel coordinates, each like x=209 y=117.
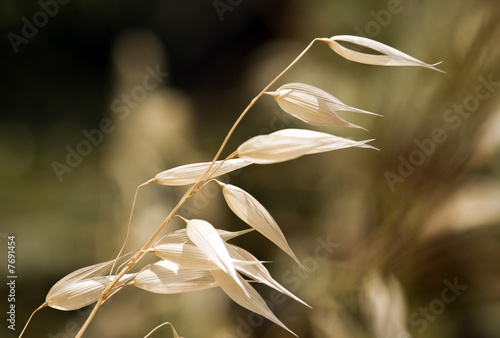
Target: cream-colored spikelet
x=252 y=212
x=313 y=105
x=82 y=287
x=168 y=277
x=288 y=144
x=332 y=142
x=257 y=271
x=199 y=261
x=77 y=294
x=389 y=56
x=182 y=258
x=250 y=299
x=191 y=173
x=208 y=240
x=179 y=249
x=180 y=236
x=185 y=254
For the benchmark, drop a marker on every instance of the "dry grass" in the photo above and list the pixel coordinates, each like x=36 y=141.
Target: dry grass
x=199 y=257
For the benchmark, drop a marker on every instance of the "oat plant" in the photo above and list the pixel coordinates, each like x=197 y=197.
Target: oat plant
x=200 y=256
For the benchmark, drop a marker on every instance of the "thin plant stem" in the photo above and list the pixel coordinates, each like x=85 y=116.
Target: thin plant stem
x=31 y=316
x=128 y=227
x=194 y=188
x=161 y=325
x=250 y=105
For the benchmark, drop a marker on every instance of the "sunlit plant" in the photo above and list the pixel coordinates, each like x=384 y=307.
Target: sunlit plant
x=199 y=256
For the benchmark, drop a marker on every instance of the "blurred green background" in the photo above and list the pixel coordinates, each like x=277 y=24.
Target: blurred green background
x=412 y=231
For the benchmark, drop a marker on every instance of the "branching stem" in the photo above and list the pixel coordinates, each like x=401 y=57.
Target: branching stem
x=194 y=188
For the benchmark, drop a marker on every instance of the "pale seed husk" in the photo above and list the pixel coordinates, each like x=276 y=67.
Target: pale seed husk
x=83 y=286
x=390 y=57
x=288 y=144
x=167 y=277
x=191 y=173
x=76 y=294
x=258 y=271
x=250 y=299
x=186 y=255
x=252 y=212
x=205 y=237
x=313 y=105
x=180 y=236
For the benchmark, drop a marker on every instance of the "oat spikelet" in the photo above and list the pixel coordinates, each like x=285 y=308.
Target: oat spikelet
x=250 y=299
x=167 y=277
x=313 y=105
x=390 y=56
x=83 y=286
x=191 y=173
x=178 y=248
x=288 y=144
x=205 y=237
x=257 y=271
x=249 y=210
x=180 y=236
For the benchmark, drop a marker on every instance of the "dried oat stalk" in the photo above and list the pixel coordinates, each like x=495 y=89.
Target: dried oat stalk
x=198 y=257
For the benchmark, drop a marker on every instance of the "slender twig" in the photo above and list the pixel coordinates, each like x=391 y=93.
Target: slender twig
x=161 y=325
x=29 y=319
x=128 y=227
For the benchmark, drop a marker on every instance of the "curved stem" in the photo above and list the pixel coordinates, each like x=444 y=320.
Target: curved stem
x=250 y=105
x=176 y=335
x=194 y=188
x=29 y=319
x=128 y=227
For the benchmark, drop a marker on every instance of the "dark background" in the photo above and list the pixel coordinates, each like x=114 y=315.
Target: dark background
x=438 y=224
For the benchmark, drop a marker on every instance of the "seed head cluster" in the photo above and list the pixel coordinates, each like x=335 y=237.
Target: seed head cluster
x=200 y=256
